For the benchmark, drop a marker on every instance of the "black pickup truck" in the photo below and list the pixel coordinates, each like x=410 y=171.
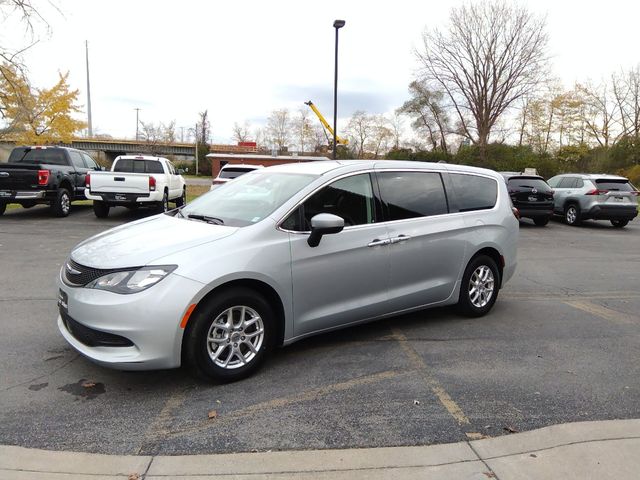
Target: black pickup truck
x=49 y=175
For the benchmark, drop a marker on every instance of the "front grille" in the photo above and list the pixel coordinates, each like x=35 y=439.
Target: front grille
x=77 y=275
x=91 y=337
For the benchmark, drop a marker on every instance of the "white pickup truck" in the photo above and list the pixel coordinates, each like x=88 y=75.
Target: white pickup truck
x=136 y=181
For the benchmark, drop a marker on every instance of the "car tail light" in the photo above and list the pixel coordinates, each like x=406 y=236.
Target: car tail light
x=43 y=177
x=636 y=193
x=595 y=191
x=516 y=212
x=152 y=184
x=87 y=181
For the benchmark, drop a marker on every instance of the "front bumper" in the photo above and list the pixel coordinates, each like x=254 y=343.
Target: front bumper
x=150 y=320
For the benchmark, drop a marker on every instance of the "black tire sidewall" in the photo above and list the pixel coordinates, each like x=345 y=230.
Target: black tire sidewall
x=464 y=302
x=541 y=222
x=3 y=208
x=577 y=220
x=57 y=205
x=195 y=342
x=619 y=223
x=100 y=209
x=182 y=200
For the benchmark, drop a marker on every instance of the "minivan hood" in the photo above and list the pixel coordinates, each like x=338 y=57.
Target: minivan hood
x=140 y=243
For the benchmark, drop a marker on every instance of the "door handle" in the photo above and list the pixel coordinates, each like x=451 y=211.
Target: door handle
x=377 y=242
x=400 y=238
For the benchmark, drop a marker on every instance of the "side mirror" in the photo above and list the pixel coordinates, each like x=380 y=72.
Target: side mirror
x=324 y=224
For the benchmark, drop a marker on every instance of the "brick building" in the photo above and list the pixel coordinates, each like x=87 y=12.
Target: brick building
x=218 y=160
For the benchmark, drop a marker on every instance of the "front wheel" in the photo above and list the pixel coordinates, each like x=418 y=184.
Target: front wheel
x=100 y=209
x=572 y=215
x=619 y=223
x=231 y=334
x=479 y=288
x=61 y=206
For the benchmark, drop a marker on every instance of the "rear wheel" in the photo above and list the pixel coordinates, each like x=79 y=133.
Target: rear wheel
x=61 y=206
x=479 y=288
x=541 y=221
x=231 y=335
x=100 y=209
x=28 y=204
x=182 y=200
x=572 y=214
x=163 y=206
x=3 y=207
x=619 y=223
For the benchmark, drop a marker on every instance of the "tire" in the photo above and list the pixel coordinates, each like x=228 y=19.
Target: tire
x=163 y=206
x=182 y=200
x=572 y=214
x=28 y=204
x=619 y=223
x=200 y=353
x=101 y=209
x=3 y=207
x=479 y=288
x=61 y=206
x=541 y=221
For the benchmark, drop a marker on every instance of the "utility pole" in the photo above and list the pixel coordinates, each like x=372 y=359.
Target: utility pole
x=90 y=126
x=196 y=135
x=137 y=122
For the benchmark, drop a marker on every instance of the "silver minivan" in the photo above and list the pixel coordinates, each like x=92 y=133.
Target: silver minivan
x=283 y=253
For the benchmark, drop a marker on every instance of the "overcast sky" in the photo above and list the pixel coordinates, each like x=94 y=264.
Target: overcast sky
x=242 y=59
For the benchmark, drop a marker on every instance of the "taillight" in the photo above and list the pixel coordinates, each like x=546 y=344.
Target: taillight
x=516 y=212
x=595 y=191
x=87 y=181
x=152 y=184
x=43 y=177
x=636 y=193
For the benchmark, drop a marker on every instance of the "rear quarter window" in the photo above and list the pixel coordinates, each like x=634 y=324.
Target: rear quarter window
x=474 y=192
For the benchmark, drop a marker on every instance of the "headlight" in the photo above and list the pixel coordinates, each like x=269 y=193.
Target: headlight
x=131 y=281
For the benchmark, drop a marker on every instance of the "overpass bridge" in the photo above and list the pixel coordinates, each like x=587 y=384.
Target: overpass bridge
x=112 y=147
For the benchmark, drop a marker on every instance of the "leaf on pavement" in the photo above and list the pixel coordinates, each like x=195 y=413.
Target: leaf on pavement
x=88 y=384
x=510 y=429
x=213 y=414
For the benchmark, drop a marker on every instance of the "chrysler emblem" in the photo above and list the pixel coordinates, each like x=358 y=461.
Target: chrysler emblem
x=72 y=270
x=534 y=190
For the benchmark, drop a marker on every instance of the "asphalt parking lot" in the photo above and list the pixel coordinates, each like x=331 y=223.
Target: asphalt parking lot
x=561 y=344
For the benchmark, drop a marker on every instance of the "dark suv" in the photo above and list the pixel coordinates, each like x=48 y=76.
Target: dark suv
x=531 y=195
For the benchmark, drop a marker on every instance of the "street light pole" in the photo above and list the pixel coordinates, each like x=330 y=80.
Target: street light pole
x=337 y=24
x=137 y=122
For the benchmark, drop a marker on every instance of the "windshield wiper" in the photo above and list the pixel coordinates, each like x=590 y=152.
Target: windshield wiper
x=205 y=218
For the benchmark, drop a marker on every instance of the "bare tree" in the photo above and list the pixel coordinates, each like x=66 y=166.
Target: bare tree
x=303 y=129
x=360 y=130
x=278 y=128
x=396 y=125
x=203 y=132
x=626 y=91
x=429 y=115
x=599 y=114
x=11 y=58
x=242 y=133
x=492 y=54
x=381 y=135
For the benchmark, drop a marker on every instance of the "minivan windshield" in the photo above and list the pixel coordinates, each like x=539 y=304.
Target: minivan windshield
x=246 y=200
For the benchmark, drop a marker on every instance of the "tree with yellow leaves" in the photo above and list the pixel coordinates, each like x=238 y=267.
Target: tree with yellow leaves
x=38 y=116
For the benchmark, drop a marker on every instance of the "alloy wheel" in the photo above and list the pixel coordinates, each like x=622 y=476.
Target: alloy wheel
x=481 y=285
x=235 y=337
